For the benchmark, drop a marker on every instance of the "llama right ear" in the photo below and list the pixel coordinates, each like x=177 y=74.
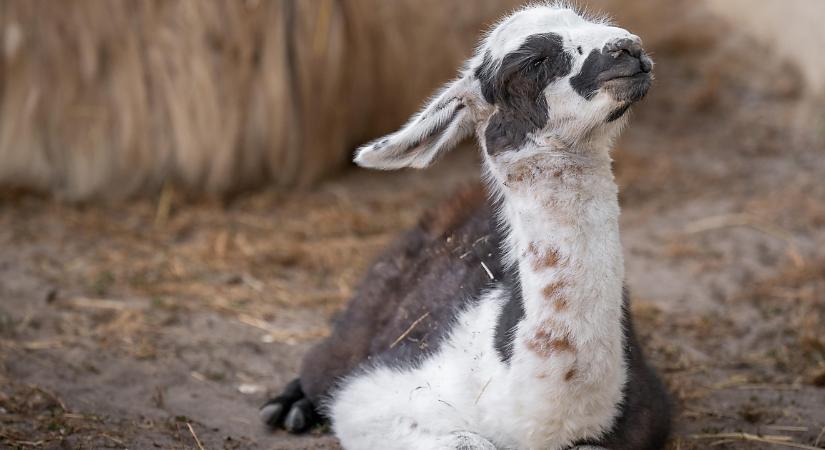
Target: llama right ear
x=440 y=126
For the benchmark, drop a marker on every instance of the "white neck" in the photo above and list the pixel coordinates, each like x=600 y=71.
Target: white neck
x=562 y=210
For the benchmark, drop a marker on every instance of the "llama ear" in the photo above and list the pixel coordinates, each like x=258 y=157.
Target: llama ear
x=440 y=126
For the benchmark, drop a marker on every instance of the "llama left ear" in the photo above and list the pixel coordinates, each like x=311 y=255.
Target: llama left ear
x=440 y=126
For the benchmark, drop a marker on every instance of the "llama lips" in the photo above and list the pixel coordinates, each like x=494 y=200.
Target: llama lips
x=632 y=77
x=621 y=67
x=630 y=88
x=629 y=79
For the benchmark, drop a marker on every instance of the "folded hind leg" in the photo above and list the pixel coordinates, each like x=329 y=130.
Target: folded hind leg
x=470 y=441
x=406 y=435
x=368 y=414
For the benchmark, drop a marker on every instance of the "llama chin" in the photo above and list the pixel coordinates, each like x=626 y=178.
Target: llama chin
x=525 y=340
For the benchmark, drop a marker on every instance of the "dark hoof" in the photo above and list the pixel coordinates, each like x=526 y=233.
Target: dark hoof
x=291 y=410
x=301 y=417
x=272 y=414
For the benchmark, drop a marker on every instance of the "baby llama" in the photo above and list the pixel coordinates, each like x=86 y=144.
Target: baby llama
x=501 y=322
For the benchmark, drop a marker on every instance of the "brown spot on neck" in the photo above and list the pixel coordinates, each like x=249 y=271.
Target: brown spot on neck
x=562 y=344
x=560 y=304
x=519 y=174
x=552 y=290
x=570 y=374
x=545 y=345
x=525 y=170
x=543 y=259
x=549 y=259
x=543 y=167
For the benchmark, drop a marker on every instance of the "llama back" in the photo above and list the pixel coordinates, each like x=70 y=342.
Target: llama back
x=402 y=308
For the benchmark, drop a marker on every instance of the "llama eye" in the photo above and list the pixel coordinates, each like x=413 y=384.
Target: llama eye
x=539 y=62
x=579 y=48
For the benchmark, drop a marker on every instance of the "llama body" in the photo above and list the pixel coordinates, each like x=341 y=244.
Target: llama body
x=564 y=380
x=542 y=355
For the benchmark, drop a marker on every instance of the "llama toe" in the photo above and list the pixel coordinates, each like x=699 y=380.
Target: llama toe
x=300 y=417
x=295 y=421
x=274 y=411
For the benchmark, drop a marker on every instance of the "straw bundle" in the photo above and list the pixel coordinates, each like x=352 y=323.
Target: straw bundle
x=103 y=99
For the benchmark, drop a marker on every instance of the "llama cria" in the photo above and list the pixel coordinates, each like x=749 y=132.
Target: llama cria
x=516 y=334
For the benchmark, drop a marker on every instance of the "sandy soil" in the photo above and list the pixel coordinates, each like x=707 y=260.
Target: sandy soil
x=165 y=323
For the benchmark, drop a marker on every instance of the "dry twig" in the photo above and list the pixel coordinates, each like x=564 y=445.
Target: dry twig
x=97 y=303
x=483 y=389
x=487 y=269
x=278 y=334
x=195 y=436
x=787 y=428
x=409 y=330
x=819 y=438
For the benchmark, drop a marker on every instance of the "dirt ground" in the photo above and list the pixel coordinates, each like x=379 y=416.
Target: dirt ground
x=165 y=323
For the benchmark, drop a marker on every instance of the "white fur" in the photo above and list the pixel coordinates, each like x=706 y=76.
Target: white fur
x=564 y=381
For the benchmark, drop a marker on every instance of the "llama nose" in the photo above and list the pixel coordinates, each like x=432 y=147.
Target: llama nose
x=632 y=47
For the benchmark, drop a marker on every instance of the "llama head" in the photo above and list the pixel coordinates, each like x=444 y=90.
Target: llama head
x=543 y=78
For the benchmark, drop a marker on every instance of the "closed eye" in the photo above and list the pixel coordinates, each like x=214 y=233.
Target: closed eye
x=539 y=62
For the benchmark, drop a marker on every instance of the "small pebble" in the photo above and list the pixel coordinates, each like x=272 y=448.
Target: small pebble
x=250 y=389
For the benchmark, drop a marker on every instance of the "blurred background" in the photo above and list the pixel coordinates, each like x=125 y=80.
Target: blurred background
x=179 y=218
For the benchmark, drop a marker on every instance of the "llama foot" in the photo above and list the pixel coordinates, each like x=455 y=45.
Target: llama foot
x=290 y=410
x=301 y=417
x=471 y=441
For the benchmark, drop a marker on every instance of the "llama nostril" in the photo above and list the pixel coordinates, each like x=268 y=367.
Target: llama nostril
x=632 y=47
x=629 y=46
x=645 y=63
